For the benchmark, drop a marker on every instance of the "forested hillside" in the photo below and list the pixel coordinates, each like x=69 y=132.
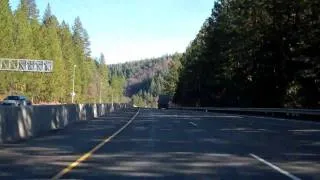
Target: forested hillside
x=254 y=54
x=247 y=53
x=24 y=35
x=145 y=79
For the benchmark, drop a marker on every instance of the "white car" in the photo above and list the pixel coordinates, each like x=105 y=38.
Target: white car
x=16 y=101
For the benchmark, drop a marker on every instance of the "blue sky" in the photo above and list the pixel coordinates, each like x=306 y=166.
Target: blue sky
x=133 y=29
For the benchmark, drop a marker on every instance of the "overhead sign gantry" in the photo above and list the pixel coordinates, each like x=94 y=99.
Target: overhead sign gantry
x=26 y=65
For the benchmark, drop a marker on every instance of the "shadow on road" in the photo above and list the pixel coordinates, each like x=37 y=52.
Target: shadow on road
x=43 y=156
x=163 y=144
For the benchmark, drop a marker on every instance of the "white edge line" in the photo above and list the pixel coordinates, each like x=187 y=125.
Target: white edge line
x=280 y=119
x=275 y=167
x=194 y=124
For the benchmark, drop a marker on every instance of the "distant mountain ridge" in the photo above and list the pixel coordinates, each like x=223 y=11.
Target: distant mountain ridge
x=140 y=74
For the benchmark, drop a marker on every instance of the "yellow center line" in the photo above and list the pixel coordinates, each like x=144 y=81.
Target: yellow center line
x=88 y=154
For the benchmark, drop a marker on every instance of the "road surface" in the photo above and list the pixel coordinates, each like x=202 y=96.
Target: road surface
x=169 y=144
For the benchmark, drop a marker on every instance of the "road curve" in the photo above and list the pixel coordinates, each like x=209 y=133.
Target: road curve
x=169 y=144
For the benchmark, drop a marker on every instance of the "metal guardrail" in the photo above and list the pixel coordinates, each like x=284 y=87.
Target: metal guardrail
x=283 y=112
x=262 y=110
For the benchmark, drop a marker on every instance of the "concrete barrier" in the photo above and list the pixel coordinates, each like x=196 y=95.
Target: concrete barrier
x=18 y=123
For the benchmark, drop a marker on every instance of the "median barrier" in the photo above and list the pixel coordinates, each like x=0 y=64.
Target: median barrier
x=18 y=123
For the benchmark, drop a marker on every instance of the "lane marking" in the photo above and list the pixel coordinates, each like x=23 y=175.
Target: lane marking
x=281 y=119
x=194 y=124
x=304 y=130
x=284 y=172
x=88 y=154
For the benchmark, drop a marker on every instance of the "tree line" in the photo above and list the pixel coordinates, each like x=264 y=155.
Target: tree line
x=254 y=54
x=24 y=35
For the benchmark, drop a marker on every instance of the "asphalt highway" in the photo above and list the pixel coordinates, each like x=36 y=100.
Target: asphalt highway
x=169 y=144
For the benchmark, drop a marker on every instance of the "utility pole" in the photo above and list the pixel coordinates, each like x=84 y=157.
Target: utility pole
x=112 y=99
x=73 y=79
x=100 y=93
x=112 y=108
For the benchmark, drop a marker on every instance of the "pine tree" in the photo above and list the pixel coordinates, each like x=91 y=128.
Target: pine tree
x=23 y=46
x=23 y=32
x=172 y=77
x=69 y=57
x=117 y=84
x=33 y=12
x=7 y=29
x=34 y=88
x=7 y=49
x=47 y=15
x=82 y=80
x=102 y=59
x=87 y=43
x=104 y=74
x=54 y=52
